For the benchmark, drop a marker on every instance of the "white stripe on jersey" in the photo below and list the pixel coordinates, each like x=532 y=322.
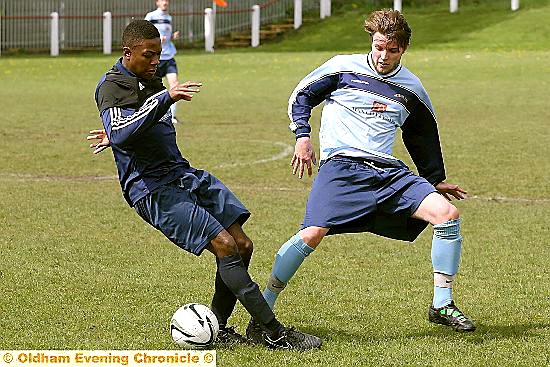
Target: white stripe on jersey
x=119 y=122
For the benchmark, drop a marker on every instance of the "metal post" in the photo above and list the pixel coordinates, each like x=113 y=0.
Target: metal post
x=107 y=33
x=515 y=5
x=255 y=38
x=397 y=5
x=297 y=14
x=54 y=34
x=453 y=7
x=208 y=30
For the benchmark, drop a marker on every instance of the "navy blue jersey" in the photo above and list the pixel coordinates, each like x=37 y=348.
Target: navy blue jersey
x=136 y=116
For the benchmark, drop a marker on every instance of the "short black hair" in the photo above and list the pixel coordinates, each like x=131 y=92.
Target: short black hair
x=137 y=31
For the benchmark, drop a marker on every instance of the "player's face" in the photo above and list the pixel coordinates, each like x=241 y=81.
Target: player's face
x=163 y=4
x=143 y=59
x=386 y=55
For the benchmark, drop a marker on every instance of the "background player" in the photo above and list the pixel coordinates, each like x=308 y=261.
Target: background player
x=168 y=67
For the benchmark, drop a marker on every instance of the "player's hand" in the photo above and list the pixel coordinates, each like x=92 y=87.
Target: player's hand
x=184 y=91
x=101 y=141
x=176 y=35
x=304 y=156
x=450 y=191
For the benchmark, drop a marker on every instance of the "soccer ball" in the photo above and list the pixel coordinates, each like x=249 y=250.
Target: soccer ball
x=194 y=326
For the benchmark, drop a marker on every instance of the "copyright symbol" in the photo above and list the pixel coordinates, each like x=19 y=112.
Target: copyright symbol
x=8 y=358
x=208 y=358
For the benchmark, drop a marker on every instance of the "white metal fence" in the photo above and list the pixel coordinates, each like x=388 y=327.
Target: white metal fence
x=26 y=24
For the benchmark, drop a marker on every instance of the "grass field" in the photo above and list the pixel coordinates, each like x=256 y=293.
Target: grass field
x=79 y=270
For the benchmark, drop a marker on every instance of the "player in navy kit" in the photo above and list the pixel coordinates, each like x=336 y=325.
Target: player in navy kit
x=167 y=67
x=361 y=186
x=191 y=207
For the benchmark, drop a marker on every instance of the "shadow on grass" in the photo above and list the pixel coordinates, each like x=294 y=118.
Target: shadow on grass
x=483 y=333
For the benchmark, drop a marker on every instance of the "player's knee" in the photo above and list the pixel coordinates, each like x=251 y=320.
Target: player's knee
x=447 y=213
x=453 y=212
x=246 y=247
x=224 y=245
x=313 y=236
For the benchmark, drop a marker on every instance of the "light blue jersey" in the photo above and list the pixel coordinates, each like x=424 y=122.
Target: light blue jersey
x=363 y=110
x=163 y=21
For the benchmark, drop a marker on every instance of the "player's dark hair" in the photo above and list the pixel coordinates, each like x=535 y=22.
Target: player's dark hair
x=137 y=31
x=391 y=23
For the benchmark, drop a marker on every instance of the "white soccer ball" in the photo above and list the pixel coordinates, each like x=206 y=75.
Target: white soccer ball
x=194 y=326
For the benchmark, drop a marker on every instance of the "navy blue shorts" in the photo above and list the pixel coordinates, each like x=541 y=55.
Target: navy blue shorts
x=350 y=196
x=192 y=210
x=166 y=67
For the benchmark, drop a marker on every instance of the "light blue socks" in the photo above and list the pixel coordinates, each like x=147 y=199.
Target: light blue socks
x=446 y=251
x=288 y=259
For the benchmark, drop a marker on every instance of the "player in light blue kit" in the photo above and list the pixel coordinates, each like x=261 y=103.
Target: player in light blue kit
x=361 y=186
x=168 y=67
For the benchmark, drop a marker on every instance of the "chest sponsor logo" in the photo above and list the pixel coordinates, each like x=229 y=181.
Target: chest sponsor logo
x=379 y=106
x=398 y=95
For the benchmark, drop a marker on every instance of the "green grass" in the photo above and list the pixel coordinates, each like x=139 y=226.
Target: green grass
x=478 y=25
x=79 y=269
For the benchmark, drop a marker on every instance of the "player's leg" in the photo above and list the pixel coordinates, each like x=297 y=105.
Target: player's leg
x=212 y=195
x=446 y=252
x=235 y=275
x=446 y=244
x=330 y=204
x=289 y=258
x=223 y=300
x=287 y=261
x=233 y=253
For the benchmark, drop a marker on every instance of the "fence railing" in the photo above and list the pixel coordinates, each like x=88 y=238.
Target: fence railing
x=29 y=24
x=453 y=5
x=26 y=24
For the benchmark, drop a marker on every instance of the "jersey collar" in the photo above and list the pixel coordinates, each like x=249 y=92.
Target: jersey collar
x=122 y=69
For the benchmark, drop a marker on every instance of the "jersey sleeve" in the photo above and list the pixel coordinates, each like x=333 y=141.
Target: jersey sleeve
x=421 y=138
x=309 y=93
x=124 y=123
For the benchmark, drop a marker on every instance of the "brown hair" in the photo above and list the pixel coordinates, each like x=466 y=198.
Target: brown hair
x=391 y=23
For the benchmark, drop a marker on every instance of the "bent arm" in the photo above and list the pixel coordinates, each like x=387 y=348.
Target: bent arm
x=125 y=124
x=310 y=92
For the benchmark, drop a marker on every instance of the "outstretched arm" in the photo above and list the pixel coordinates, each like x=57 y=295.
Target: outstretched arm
x=123 y=125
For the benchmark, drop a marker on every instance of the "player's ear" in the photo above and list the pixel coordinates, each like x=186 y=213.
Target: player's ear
x=126 y=52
